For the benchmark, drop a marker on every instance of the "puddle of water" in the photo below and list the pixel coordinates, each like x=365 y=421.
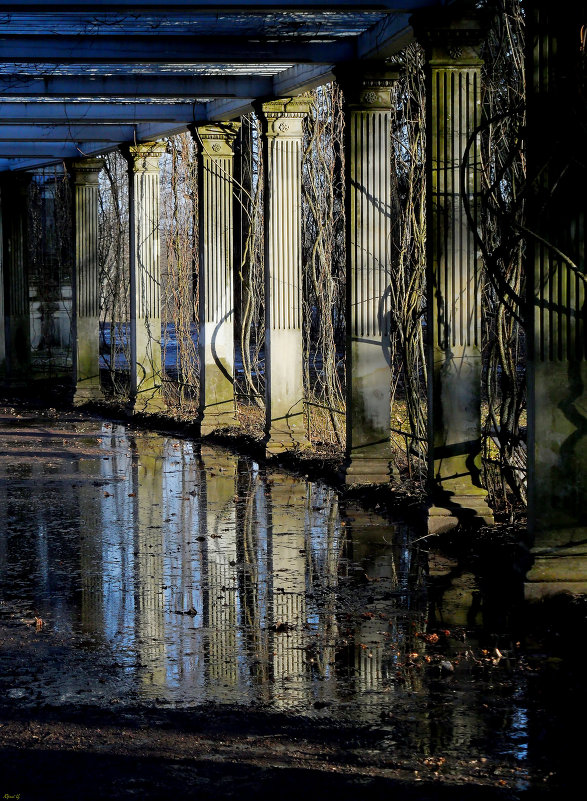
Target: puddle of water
x=138 y=568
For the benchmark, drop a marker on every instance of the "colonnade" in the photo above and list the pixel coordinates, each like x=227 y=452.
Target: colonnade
x=454 y=272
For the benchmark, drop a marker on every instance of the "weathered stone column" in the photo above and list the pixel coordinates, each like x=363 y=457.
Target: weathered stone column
x=145 y=281
x=17 y=322
x=2 y=324
x=282 y=141
x=557 y=371
x=368 y=164
x=216 y=339
x=86 y=281
x=454 y=266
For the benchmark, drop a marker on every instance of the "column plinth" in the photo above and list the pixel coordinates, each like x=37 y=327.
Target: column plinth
x=86 y=281
x=368 y=105
x=454 y=267
x=216 y=338
x=145 y=280
x=285 y=426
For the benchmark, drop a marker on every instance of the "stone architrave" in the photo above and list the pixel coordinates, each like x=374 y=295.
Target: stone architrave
x=17 y=324
x=368 y=105
x=145 y=281
x=216 y=336
x=86 y=281
x=557 y=309
x=282 y=120
x=453 y=70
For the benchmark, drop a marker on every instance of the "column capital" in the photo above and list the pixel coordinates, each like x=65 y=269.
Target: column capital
x=144 y=157
x=86 y=171
x=451 y=40
x=284 y=117
x=217 y=139
x=367 y=86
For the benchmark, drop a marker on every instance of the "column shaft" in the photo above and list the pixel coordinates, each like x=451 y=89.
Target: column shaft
x=2 y=311
x=216 y=338
x=145 y=282
x=454 y=265
x=86 y=281
x=557 y=371
x=369 y=224
x=282 y=140
x=16 y=283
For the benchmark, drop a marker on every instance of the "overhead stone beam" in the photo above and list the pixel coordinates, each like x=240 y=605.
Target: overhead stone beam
x=81 y=112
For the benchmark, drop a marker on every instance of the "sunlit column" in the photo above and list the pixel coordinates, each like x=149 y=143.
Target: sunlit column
x=369 y=225
x=220 y=610
x=145 y=281
x=454 y=263
x=86 y=281
x=282 y=141
x=15 y=190
x=287 y=517
x=216 y=343
x=557 y=372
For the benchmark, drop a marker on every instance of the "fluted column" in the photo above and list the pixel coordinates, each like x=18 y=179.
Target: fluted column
x=145 y=280
x=216 y=343
x=86 y=281
x=454 y=264
x=2 y=332
x=282 y=140
x=557 y=371
x=369 y=224
x=16 y=280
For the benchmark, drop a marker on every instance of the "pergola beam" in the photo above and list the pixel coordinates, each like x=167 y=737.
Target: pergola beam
x=110 y=49
x=151 y=86
x=80 y=112
x=242 y=6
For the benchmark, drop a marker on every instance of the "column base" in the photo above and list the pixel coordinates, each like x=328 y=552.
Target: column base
x=86 y=394
x=450 y=510
x=212 y=422
x=558 y=569
x=369 y=471
x=147 y=403
x=278 y=441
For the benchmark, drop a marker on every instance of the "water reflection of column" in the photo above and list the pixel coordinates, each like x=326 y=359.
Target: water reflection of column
x=92 y=578
x=220 y=612
x=252 y=555
x=288 y=577
x=379 y=550
x=150 y=622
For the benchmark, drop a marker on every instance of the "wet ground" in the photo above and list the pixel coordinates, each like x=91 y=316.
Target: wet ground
x=180 y=622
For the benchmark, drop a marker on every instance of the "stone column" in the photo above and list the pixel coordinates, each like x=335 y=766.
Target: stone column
x=145 y=281
x=557 y=371
x=454 y=266
x=216 y=342
x=2 y=324
x=86 y=281
x=282 y=141
x=368 y=181
x=16 y=280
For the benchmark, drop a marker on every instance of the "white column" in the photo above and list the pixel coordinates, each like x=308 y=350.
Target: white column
x=145 y=281
x=216 y=340
x=369 y=224
x=86 y=281
x=282 y=140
